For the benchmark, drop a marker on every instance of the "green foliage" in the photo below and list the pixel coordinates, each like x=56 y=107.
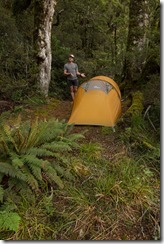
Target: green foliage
x=152 y=97
x=9 y=221
x=108 y=197
x=91 y=151
x=60 y=53
x=15 y=55
x=136 y=108
x=91 y=25
x=32 y=152
x=106 y=130
x=139 y=136
x=127 y=181
x=34 y=213
x=1 y=190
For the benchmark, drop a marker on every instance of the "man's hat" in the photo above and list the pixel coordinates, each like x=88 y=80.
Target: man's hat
x=71 y=55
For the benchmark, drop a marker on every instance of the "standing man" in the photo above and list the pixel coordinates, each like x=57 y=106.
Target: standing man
x=71 y=71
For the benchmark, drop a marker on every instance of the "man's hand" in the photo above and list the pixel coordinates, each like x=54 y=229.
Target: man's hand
x=82 y=75
x=70 y=74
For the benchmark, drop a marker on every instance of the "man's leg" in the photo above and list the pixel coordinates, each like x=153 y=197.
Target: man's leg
x=75 y=86
x=75 y=90
x=72 y=92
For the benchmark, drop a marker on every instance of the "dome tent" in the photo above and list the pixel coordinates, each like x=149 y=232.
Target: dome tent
x=97 y=102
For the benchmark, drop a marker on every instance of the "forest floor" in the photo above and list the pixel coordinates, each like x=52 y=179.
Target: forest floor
x=113 y=147
x=94 y=134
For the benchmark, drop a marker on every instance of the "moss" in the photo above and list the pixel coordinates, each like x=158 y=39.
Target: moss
x=137 y=105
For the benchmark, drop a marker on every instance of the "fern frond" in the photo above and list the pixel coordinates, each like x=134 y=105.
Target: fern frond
x=61 y=158
x=30 y=179
x=35 y=165
x=57 y=146
x=17 y=162
x=74 y=137
x=24 y=174
x=4 y=149
x=40 y=152
x=64 y=172
x=67 y=130
x=8 y=169
x=60 y=170
x=20 y=139
x=71 y=140
x=53 y=177
x=31 y=159
x=36 y=171
x=14 y=183
x=33 y=134
x=8 y=133
x=49 y=131
x=9 y=221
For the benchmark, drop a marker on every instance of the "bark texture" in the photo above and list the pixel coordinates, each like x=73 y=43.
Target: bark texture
x=43 y=18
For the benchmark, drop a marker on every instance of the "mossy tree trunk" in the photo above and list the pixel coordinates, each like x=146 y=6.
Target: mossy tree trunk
x=43 y=18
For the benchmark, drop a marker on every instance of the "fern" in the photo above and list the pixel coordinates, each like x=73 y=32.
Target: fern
x=51 y=173
x=40 y=152
x=22 y=175
x=33 y=134
x=9 y=221
x=9 y=170
x=30 y=179
x=33 y=152
x=57 y=146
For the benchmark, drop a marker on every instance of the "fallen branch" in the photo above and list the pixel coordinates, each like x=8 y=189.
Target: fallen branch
x=147 y=110
x=147 y=113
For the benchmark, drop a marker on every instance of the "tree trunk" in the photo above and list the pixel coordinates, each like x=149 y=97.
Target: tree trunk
x=137 y=40
x=43 y=18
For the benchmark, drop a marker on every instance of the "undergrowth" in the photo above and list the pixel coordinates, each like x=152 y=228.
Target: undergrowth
x=95 y=198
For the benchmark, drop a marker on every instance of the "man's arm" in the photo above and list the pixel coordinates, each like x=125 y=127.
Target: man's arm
x=67 y=73
x=80 y=74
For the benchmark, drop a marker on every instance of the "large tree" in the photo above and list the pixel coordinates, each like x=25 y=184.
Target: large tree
x=43 y=18
x=137 y=41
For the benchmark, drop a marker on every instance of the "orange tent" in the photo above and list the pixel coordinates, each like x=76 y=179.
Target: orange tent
x=97 y=102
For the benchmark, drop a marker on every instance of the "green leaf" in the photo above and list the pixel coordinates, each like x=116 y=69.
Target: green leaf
x=9 y=221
